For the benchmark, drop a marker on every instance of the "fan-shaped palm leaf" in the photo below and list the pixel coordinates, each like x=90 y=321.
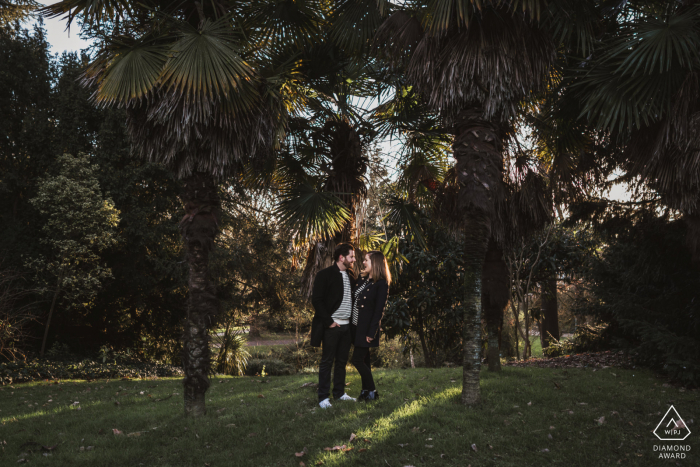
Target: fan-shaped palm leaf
x=313 y=214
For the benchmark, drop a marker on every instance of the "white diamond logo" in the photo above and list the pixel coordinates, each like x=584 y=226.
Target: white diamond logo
x=672 y=427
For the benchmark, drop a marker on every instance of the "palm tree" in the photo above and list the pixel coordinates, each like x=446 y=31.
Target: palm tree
x=474 y=62
x=641 y=86
x=205 y=93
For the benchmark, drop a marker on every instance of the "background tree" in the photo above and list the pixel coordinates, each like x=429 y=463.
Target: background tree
x=461 y=60
x=79 y=225
x=426 y=300
x=202 y=98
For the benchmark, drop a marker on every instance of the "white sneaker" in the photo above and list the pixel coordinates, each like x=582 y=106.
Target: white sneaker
x=325 y=403
x=345 y=397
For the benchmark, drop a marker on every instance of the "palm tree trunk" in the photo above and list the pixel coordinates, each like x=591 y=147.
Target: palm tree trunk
x=199 y=228
x=477 y=148
x=476 y=238
x=494 y=296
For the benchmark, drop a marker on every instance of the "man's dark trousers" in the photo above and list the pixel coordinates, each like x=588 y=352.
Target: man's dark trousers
x=336 y=348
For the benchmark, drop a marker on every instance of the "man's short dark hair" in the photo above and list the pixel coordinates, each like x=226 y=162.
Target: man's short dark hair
x=343 y=249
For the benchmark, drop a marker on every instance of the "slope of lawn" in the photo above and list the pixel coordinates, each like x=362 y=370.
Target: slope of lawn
x=588 y=418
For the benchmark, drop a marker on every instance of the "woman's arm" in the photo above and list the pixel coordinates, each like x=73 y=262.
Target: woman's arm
x=379 y=304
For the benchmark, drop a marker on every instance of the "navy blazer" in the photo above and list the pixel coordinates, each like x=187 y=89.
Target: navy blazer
x=370 y=309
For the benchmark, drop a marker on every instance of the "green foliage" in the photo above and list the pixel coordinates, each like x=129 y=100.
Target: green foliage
x=645 y=285
x=271 y=366
x=425 y=303
x=79 y=225
x=233 y=356
x=16 y=10
x=39 y=370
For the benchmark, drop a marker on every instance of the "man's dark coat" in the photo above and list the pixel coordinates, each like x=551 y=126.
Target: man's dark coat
x=326 y=297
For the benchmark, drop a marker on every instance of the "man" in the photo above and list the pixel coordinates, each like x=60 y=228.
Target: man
x=332 y=298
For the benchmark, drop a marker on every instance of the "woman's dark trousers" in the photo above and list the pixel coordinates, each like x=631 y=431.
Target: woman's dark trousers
x=360 y=360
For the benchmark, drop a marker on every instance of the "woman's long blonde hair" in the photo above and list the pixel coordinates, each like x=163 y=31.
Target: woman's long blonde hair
x=380 y=268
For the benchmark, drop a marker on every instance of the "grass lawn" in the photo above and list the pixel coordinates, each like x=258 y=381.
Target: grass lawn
x=524 y=420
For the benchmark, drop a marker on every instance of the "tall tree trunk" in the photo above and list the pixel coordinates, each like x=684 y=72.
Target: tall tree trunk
x=477 y=148
x=476 y=238
x=48 y=320
x=199 y=228
x=550 y=311
x=494 y=299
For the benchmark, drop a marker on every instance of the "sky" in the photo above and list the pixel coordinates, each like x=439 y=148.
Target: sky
x=60 y=39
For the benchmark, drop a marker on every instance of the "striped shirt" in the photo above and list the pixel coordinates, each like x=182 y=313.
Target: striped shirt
x=355 y=311
x=342 y=314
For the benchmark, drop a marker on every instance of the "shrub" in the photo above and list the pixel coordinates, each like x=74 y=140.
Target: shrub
x=587 y=338
x=36 y=370
x=273 y=367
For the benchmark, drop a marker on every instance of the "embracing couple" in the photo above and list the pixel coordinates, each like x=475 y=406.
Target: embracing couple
x=348 y=311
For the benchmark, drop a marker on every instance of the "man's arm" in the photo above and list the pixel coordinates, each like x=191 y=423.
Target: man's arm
x=317 y=294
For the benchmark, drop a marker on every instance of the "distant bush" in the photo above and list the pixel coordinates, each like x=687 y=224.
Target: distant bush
x=587 y=338
x=38 y=370
x=272 y=366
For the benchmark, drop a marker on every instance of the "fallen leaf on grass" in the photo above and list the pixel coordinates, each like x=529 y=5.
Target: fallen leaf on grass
x=529 y=404
x=352 y=437
x=600 y=420
x=134 y=434
x=117 y=432
x=334 y=448
x=303 y=451
x=545 y=450
x=261 y=396
x=367 y=440
x=402 y=445
x=361 y=450
x=306 y=385
x=474 y=447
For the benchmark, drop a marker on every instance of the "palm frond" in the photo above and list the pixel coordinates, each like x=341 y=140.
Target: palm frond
x=205 y=61
x=90 y=11
x=354 y=23
x=127 y=70
x=403 y=216
x=313 y=214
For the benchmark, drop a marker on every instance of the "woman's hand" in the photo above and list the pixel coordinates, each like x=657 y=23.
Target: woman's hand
x=369 y=339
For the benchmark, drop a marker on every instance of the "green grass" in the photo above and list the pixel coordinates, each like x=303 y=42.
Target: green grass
x=418 y=421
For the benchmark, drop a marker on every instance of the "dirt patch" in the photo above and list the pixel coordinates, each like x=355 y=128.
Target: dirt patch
x=583 y=360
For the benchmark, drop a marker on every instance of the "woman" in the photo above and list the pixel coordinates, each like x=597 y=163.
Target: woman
x=370 y=298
